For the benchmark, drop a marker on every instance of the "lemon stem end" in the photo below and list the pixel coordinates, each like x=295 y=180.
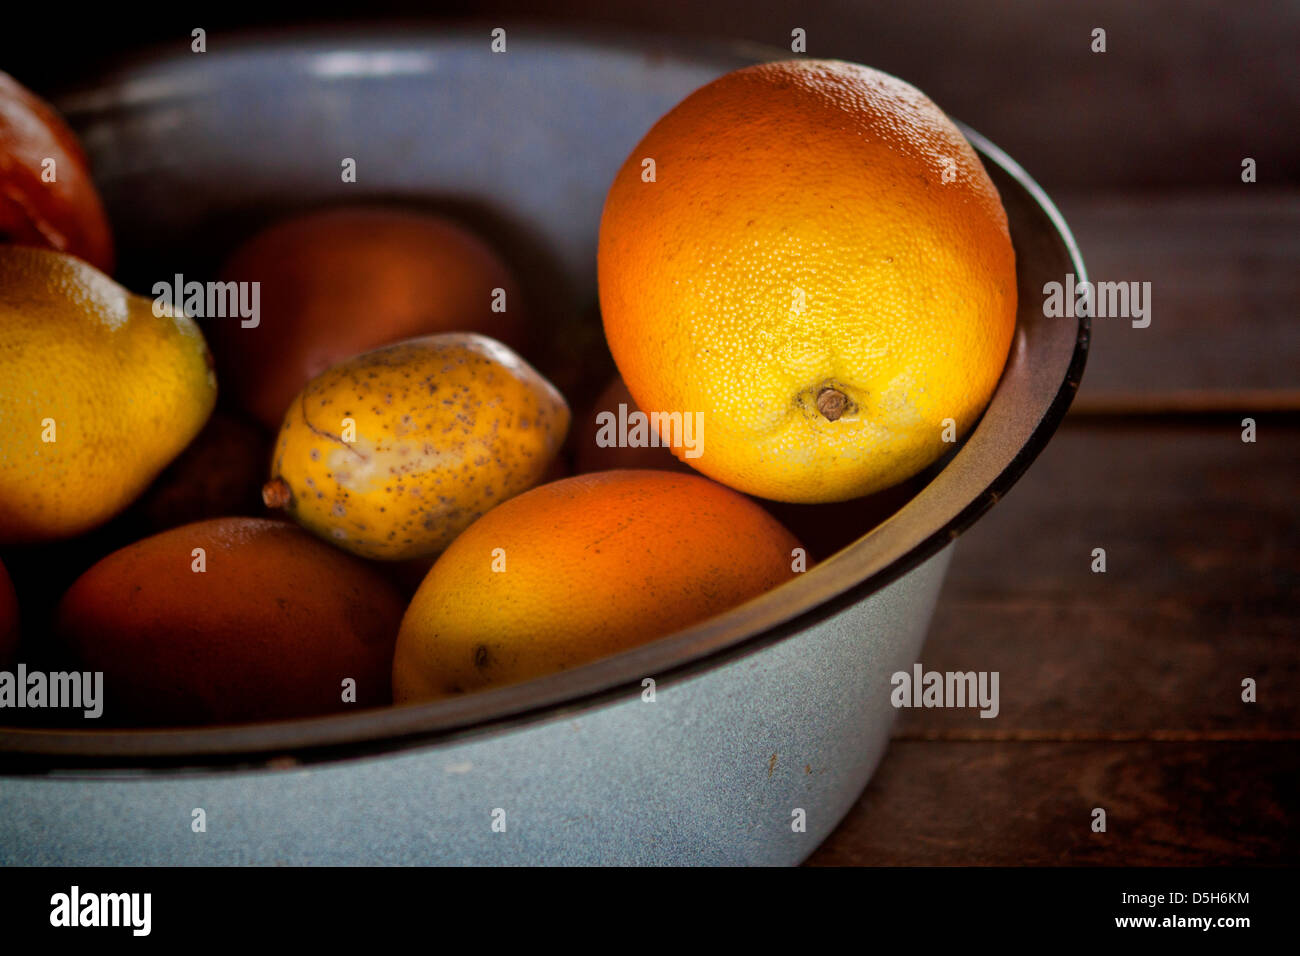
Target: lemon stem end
x=831 y=403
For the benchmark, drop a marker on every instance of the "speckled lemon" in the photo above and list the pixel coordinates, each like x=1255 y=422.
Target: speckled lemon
x=394 y=452
x=97 y=394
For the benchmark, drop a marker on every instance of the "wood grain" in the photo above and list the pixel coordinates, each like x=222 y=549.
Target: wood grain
x=1224 y=293
x=1202 y=540
x=1120 y=690
x=1012 y=804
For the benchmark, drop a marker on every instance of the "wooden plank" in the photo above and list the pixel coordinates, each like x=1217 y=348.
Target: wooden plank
x=1202 y=540
x=1101 y=671
x=1224 y=270
x=1012 y=804
x=1188 y=512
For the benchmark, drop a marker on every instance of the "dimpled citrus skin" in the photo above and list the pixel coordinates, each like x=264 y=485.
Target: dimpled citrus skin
x=800 y=236
x=447 y=426
x=270 y=629
x=126 y=391
x=594 y=564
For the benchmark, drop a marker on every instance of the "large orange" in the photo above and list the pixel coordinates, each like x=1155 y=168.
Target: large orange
x=818 y=262
x=579 y=569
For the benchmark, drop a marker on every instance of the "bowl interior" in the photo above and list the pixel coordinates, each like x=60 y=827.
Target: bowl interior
x=193 y=153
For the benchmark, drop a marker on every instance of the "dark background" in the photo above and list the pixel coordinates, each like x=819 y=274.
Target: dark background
x=1185 y=87
x=1119 y=690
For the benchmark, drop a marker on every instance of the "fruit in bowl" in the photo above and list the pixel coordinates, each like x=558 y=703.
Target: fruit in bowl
x=393 y=453
x=47 y=198
x=231 y=620
x=338 y=282
x=805 y=261
x=101 y=391
x=821 y=266
x=582 y=568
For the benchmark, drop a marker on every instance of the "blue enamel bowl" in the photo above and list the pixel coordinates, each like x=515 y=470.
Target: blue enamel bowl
x=767 y=721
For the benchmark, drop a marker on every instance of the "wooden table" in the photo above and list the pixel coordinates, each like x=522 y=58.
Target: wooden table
x=1123 y=689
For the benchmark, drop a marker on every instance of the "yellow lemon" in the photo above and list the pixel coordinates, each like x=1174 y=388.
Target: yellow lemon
x=97 y=394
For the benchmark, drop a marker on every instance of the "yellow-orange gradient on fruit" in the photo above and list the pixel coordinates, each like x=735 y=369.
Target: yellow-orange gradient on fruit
x=580 y=569
x=342 y=281
x=98 y=393
x=232 y=619
x=811 y=254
